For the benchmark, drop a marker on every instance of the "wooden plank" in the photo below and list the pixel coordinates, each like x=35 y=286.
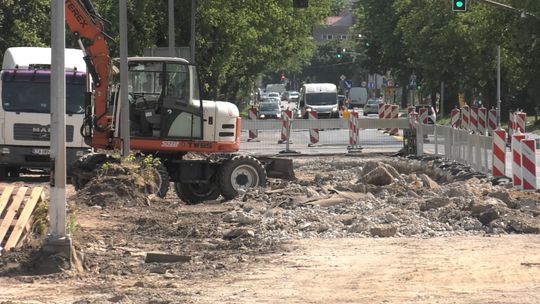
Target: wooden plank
x=11 y=211
x=23 y=218
x=27 y=230
x=4 y=199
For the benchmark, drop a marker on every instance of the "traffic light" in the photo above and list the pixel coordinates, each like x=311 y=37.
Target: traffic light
x=339 y=52
x=459 y=5
x=300 y=3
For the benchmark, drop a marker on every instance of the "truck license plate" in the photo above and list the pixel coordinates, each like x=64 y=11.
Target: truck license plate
x=41 y=151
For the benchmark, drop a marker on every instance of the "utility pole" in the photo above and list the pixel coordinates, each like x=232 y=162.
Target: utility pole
x=171 y=28
x=498 y=86
x=442 y=99
x=124 y=109
x=58 y=241
x=193 y=24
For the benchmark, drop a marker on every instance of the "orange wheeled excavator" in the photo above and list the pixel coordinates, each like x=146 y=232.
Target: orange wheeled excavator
x=168 y=119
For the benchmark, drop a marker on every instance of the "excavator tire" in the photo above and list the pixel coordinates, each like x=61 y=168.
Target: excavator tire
x=160 y=177
x=240 y=172
x=193 y=194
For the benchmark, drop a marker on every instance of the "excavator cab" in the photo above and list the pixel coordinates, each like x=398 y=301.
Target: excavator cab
x=164 y=99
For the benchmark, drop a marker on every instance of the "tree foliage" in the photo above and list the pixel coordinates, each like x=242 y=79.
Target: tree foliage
x=427 y=37
x=237 y=40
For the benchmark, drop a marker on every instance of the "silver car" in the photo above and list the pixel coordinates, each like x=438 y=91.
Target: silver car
x=372 y=106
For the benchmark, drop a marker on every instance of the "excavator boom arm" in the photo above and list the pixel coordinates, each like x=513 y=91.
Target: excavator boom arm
x=84 y=23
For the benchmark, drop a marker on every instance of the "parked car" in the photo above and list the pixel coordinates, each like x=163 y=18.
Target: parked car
x=269 y=110
x=372 y=106
x=432 y=117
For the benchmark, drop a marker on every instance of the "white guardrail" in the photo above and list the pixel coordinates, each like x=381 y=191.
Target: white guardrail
x=335 y=123
x=456 y=144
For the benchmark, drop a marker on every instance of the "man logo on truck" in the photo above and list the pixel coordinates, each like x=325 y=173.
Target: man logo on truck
x=41 y=132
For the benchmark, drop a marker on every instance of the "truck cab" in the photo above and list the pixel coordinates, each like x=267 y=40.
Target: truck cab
x=25 y=112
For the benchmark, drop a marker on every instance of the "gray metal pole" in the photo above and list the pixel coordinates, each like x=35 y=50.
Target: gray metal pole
x=57 y=209
x=193 y=24
x=442 y=99
x=171 y=28
x=499 y=86
x=124 y=102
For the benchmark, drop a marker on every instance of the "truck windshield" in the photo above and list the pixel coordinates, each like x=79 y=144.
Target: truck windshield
x=319 y=99
x=24 y=95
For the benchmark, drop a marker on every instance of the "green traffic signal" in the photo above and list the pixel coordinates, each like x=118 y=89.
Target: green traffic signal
x=459 y=5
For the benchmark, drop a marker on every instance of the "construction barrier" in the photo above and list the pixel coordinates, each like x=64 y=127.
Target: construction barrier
x=380 y=110
x=423 y=116
x=413 y=118
x=352 y=129
x=473 y=120
x=482 y=119
x=387 y=113
x=253 y=114
x=511 y=126
x=313 y=132
x=499 y=153
x=285 y=123
x=520 y=120
x=528 y=155
x=395 y=115
x=465 y=115
x=455 y=118
x=516 y=158
x=492 y=121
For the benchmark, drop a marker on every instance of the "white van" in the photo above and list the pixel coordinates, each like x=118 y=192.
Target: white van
x=319 y=97
x=358 y=96
x=25 y=117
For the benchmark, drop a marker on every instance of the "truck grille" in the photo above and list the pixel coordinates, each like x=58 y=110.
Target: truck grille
x=37 y=132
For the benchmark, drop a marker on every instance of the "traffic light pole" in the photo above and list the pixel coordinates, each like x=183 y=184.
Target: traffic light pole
x=499 y=86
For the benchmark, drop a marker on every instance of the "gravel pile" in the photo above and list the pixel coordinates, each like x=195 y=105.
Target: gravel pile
x=371 y=198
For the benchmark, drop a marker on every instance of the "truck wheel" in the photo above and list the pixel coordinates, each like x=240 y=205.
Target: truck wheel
x=160 y=180
x=240 y=172
x=193 y=194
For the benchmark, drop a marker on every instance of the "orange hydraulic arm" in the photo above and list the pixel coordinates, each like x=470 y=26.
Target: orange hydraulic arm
x=84 y=23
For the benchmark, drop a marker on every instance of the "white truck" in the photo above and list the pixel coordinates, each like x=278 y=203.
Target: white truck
x=25 y=113
x=319 y=97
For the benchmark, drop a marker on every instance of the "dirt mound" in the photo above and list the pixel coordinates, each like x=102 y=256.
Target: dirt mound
x=119 y=185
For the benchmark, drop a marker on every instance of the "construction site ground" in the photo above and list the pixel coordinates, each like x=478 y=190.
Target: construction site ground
x=351 y=229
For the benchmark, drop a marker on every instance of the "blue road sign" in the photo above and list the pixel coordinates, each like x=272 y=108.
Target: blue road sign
x=348 y=84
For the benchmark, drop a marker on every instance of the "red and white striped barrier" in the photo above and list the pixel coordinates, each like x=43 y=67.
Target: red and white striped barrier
x=353 y=129
x=492 y=121
x=482 y=119
x=413 y=117
x=528 y=159
x=381 y=110
x=253 y=114
x=520 y=120
x=313 y=132
x=465 y=115
x=395 y=114
x=516 y=158
x=387 y=113
x=285 y=123
x=511 y=126
x=499 y=153
x=423 y=116
x=473 y=122
x=454 y=122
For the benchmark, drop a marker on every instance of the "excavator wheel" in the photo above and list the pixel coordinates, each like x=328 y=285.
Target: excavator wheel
x=160 y=180
x=240 y=172
x=193 y=194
